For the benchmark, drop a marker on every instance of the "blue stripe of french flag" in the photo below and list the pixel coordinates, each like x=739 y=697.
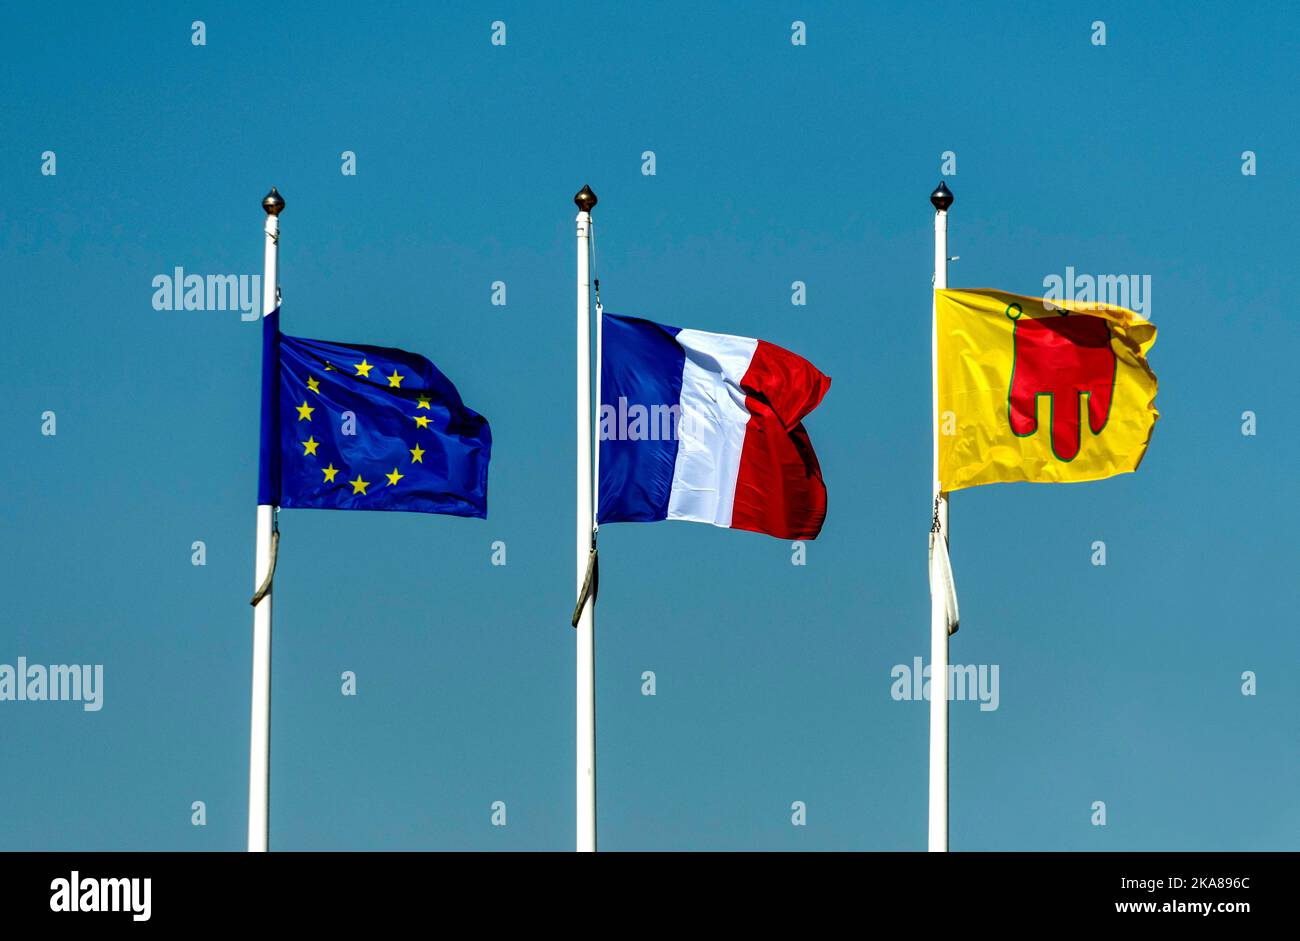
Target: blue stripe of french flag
x=707 y=427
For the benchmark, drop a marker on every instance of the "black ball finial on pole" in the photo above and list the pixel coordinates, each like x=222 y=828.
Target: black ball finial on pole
x=586 y=199
x=941 y=198
x=274 y=202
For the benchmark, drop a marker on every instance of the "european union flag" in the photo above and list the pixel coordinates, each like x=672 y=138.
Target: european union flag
x=352 y=427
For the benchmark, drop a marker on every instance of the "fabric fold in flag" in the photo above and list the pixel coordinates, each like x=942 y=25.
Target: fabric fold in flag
x=357 y=427
x=707 y=427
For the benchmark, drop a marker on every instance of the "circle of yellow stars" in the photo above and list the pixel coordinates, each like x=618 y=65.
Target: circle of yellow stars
x=360 y=485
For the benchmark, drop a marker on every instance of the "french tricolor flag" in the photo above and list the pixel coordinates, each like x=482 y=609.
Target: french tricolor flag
x=707 y=427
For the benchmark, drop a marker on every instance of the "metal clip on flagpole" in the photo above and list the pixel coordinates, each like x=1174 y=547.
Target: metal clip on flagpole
x=942 y=614
x=585 y=614
x=259 y=740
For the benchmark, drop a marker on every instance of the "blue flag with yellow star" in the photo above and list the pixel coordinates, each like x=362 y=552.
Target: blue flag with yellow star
x=352 y=427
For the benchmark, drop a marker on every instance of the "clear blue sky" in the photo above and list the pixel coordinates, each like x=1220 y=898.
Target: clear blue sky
x=774 y=164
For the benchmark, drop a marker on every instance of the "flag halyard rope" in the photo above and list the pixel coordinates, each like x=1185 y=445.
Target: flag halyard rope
x=590 y=583
x=265 y=588
x=941 y=578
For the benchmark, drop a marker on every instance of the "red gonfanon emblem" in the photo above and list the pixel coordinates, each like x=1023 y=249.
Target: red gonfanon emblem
x=1063 y=358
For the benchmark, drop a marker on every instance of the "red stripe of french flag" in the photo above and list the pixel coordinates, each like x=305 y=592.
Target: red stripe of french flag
x=779 y=487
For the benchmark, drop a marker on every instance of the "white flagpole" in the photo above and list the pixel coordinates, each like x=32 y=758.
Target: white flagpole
x=586 y=626
x=259 y=739
x=941 y=199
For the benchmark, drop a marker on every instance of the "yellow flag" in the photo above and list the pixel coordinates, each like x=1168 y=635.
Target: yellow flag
x=1040 y=391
